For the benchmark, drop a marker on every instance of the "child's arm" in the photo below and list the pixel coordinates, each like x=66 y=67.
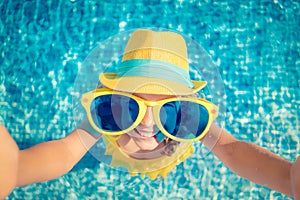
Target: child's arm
x=9 y=152
x=295 y=176
x=49 y=160
x=253 y=162
x=41 y=162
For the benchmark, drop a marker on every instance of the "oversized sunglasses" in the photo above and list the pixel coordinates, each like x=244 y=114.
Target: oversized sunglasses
x=179 y=118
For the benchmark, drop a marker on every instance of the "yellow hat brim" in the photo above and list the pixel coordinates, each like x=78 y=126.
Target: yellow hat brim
x=148 y=85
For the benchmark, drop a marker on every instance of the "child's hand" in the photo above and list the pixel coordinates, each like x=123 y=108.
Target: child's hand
x=295 y=178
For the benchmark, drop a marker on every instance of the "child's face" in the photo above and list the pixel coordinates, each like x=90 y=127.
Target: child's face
x=136 y=122
x=142 y=137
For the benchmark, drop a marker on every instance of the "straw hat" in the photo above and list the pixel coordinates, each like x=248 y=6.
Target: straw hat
x=153 y=63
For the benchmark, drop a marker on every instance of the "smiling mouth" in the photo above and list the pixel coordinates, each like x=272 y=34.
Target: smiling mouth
x=145 y=134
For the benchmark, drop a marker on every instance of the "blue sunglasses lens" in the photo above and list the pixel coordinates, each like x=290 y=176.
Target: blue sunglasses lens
x=114 y=112
x=184 y=119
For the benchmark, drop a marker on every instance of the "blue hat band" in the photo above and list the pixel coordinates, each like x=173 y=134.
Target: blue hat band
x=147 y=67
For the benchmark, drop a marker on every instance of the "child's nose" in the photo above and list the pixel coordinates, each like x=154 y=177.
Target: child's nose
x=148 y=119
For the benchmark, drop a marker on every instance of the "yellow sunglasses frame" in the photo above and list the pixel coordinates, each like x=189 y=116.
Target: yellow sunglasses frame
x=88 y=98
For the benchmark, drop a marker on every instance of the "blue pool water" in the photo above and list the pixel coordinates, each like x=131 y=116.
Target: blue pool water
x=255 y=46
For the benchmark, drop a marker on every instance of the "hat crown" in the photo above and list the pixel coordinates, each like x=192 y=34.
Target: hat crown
x=167 y=41
x=168 y=47
x=153 y=63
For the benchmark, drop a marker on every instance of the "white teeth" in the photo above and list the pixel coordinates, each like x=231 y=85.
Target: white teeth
x=145 y=133
x=142 y=133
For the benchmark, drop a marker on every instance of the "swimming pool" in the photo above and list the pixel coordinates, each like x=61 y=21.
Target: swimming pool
x=255 y=46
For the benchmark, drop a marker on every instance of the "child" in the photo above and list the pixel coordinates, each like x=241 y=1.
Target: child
x=148 y=115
